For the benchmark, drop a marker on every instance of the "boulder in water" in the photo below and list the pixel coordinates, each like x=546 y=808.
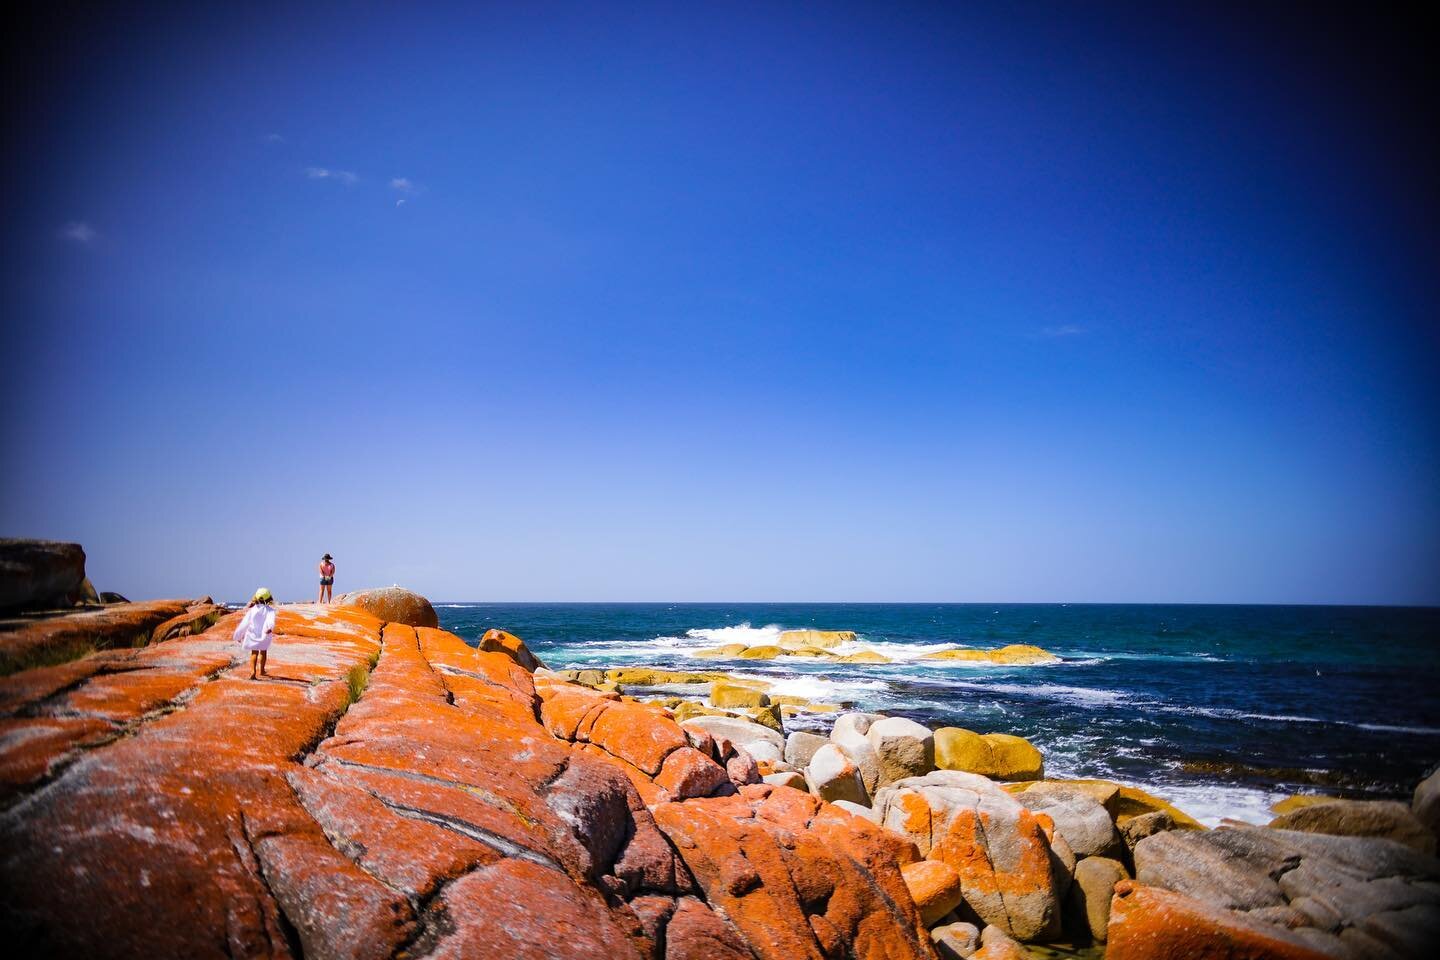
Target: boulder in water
x=824 y=639
x=1015 y=654
x=728 y=695
x=998 y=756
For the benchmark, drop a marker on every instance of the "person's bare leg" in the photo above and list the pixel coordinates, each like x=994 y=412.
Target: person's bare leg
x=263 y=655
x=321 y=597
x=253 y=657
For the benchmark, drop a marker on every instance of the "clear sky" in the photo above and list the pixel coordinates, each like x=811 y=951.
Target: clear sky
x=1055 y=302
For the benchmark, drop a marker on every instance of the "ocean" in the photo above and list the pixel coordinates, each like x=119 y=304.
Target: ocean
x=1220 y=709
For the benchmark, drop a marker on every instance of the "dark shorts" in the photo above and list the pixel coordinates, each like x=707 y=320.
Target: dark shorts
x=326 y=581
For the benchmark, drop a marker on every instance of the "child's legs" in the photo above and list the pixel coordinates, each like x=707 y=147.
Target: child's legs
x=263 y=655
x=253 y=656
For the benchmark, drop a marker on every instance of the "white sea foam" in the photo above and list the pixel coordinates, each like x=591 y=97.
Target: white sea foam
x=813 y=687
x=741 y=633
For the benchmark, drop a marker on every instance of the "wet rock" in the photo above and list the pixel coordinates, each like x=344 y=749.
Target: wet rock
x=729 y=696
x=39 y=574
x=1083 y=822
x=999 y=848
x=1361 y=818
x=824 y=639
x=935 y=888
x=863 y=656
x=762 y=652
x=800 y=746
x=392 y=605
x=903 y=748
x=727 y=652
x=1014 y=654
x=832 y=775
x=995 y=755
x=651 y=677
x=1092 y=891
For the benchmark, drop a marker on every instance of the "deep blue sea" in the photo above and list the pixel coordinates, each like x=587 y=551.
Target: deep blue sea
x=1221 y=709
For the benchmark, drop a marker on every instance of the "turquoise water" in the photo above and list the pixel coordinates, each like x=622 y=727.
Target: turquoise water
x=1221 y=708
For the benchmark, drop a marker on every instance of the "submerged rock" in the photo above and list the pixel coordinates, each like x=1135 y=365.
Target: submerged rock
x=1012 y=654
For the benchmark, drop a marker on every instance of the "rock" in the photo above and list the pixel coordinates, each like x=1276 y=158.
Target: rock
x=196 y=619
x=764 y=751
x=1145 y=825
x=956 y=941
x=1013 y=654
x=392 y=605
x=107 y=596
x=762 y=652
x=1078 y=817
x=999 y=848
x=832 y=775
x=858 y=809
x=726 y=652
x=1148 y=923
x=735 y=729
x=903 y=748
x=39 y=574
x=498 y=641
x=935 y=888
x=60 y=639
x=86 y=594
x=1426 y=803
x=995 y=944
x=800 y=746
x=824 y=639
x=651 y=677
x=1297 y=801
x=729 y=695
x=848 y=734
x=998 y=756
x=1361 y=818
x=789 y=779
x=767 y=717
x=1090 y=894
x=1122 y=802
x=863 y=656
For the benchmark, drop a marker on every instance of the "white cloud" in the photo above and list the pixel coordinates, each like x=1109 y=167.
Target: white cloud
x=1063 y=330
x=406 y=187
x=346 y=177
x=78 y=231
x=273 y=138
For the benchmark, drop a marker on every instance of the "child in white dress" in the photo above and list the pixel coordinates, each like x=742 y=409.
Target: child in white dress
x=257 y=629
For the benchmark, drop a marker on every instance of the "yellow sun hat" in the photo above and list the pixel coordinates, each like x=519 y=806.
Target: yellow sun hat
x=262 y=595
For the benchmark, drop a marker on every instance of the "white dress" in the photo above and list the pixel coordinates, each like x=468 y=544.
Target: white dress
x=257 y=628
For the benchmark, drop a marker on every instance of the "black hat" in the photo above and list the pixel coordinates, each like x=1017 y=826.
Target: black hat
x=327 y=557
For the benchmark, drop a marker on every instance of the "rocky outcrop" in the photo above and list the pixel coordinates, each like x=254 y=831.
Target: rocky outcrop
x=56 y=640
x=511 y=646
x=1360 y=818
x=40 y=574
x=161 y=804
x=1339 y=895
x=728 y=695
x=1078 y=817
x=1015 y=654
x=1148 y=923
x=824 y=639
x=1000 y=850
x=1426 y=802
x=392 y=605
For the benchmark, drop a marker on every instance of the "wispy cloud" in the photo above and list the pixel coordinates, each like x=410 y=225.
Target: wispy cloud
x=78 y=231
x=347 y=177
x=1063 y=330
x=405 y=187
x=273 y=138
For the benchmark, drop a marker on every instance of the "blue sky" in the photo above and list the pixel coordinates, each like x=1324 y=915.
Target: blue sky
x=556 y=302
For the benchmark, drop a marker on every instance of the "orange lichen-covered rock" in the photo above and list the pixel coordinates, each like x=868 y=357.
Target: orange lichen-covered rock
x=1000 y=850
x=935 y=888
x=392 y=605
x=498 y=641
x=1148 y=923
x=118 y=625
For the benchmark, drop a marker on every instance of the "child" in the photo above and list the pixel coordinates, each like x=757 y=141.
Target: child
x=257 y=629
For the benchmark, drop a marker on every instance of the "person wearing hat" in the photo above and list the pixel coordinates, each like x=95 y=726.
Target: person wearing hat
x=327 y=578
x=257 y=629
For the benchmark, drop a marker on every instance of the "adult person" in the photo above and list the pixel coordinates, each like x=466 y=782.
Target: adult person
x=257 y=629
x=327 y=578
